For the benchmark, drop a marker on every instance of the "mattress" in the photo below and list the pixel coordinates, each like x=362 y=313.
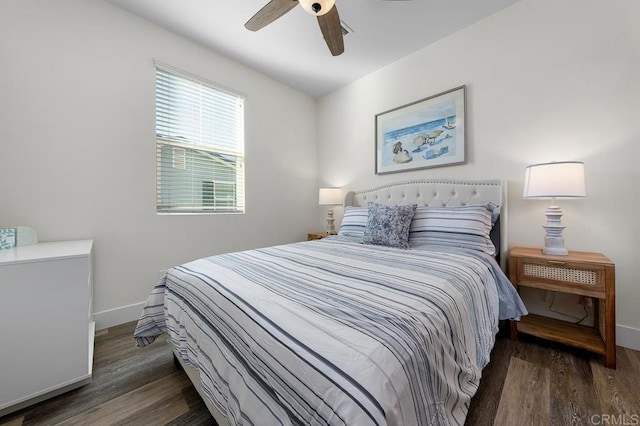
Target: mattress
x=334 y=332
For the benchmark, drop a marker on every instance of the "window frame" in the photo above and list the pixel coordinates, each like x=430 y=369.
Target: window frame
x=177 y=154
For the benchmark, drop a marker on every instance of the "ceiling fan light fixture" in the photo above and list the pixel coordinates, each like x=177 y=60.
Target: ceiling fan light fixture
x=317 y=7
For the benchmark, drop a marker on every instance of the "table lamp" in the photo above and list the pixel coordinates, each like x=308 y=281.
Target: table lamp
x=563 y=179
x=330 y=197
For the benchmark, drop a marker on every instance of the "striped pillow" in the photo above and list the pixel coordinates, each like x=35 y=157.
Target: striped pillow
x=354 y=221
x=464 y=226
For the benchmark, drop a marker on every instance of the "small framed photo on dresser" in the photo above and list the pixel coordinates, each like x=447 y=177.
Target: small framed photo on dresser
x=7 y=238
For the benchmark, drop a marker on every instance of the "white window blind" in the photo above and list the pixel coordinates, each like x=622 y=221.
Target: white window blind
x=199 y=146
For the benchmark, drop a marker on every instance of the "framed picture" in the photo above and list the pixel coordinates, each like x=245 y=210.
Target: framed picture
x=426 y=133
x=7 y=238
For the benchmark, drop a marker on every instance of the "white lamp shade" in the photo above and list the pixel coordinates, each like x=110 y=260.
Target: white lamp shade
x=330 y=196
x=555 y=180
x=322 y=6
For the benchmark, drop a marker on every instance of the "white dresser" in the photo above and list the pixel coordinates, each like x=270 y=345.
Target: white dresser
x=46 y=321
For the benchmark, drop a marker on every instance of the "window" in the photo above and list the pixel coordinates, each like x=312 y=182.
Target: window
x=199 y=145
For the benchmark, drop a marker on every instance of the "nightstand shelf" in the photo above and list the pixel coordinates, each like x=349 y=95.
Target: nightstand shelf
x=584 y=274
x=578 y=336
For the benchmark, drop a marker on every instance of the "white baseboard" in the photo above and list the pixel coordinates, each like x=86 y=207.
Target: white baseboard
x=628 y=337
x=117 y=316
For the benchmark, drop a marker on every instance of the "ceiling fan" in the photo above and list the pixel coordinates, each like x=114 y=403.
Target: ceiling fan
x=325 y=10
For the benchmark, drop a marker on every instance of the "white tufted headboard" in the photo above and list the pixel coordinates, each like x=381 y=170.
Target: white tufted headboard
x=439 y=193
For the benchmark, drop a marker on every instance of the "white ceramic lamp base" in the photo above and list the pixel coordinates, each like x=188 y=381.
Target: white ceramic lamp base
x=553 y=240
x=331 y=228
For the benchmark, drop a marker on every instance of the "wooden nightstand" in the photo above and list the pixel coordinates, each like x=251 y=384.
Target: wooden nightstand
x=316 y=235
x=585 y=274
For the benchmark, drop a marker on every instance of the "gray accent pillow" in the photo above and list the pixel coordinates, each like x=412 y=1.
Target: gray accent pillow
x=388 y=225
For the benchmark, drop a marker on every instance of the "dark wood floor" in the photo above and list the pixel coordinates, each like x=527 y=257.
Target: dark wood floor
x=536 y=382
x=526 y=383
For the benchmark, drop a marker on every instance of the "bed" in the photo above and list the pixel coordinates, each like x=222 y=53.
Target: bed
x=337 y=331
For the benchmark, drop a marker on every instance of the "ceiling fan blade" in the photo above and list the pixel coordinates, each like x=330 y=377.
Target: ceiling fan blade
x=332 y=31
x=269 y=13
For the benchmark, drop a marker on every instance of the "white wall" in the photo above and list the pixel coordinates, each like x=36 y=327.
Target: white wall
x=546 y=80
x=77 y=145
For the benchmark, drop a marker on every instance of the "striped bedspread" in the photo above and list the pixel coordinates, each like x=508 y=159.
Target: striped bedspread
x=332 y=332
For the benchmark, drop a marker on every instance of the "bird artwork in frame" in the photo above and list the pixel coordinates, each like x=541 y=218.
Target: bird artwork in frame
x=423 y=134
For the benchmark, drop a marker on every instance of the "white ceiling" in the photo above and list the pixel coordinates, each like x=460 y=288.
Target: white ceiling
x=292 y=50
